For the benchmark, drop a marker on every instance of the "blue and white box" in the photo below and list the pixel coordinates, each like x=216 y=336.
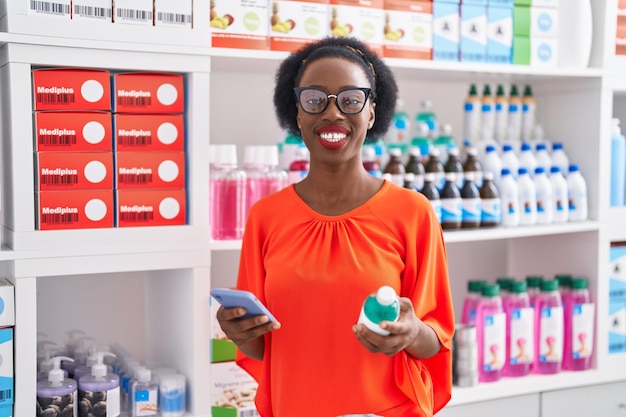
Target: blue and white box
x=617 y=298
x=534 y=21
x=446 y=31
x=499 y=34
x=501 y=3
x=473 y=33
x=6 y=367
x=7 y=303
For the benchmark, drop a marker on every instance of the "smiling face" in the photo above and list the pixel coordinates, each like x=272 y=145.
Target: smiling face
x=332 y=135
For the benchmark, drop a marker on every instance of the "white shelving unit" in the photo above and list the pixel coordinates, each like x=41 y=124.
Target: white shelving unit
x=148 y=288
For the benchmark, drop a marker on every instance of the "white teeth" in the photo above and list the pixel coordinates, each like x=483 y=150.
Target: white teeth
x=333 y=136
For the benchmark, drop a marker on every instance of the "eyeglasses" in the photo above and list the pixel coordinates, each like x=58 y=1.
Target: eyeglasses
x=349 y=101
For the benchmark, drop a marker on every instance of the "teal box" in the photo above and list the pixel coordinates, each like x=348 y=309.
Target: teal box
x=617 y=327
x=499 y=34
x=473 y=33
x=446 y=31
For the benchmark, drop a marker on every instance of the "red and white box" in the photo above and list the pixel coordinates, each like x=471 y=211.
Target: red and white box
x=408 y=31
x=158 y=207
x=149 y=132
x=75 y=209
x=150 y=170
x=58 y=171
x=242 y=24
x=363 y=19
x=142 y=92
x=73 y=131
x=295 y=23
x=71 y=89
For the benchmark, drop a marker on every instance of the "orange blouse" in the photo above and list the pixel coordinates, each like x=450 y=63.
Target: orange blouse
x=313 y=272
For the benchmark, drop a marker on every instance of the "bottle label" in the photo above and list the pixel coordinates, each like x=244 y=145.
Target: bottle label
x=471 y=210
x=146 y=402
x=583 y=317
x=494 y=341
x=437 y=208
x=551 y=334
x=65 y=405
x=522 y=336
x=451 y=210
x=99 y=403
x=491 y=211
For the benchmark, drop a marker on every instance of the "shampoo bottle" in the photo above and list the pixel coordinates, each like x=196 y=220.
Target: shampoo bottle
x=549 y=328
x=519 y=330
x=579 y=326
x=491 y=334
x=57 y=394
x=99 y=393
x=383 y=305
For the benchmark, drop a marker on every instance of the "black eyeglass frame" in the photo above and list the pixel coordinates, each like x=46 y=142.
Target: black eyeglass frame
x=299 y=90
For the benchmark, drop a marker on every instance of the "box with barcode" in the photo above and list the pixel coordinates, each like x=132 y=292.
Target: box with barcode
x=177 y=13
x=73 y=131
x=60 y=9
x=150 y=170
x=6 y=367
x=133 y=12
x=61 y=210
x=71 y=89
x=151 y=208
x=63 y=171
x=149 y=132
x=93 y=10
x=233 y=391
x=7 y=303
x=140 y=92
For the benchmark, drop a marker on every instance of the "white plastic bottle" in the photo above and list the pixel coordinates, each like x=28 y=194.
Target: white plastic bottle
x=383 y=305
x=509 y=196
x=545 y=203
x=577 y=195
x=527 y=158
x=527 y=198
x=492 y=163
x=543 y=157
x=560 y=195
x=144 y=394
x=509 y=159
x=559 y=157
x=471 y=115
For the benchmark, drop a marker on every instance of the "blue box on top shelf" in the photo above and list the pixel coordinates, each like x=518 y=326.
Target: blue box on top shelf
x=499 y=34
x=446 y=31
x=473 y=33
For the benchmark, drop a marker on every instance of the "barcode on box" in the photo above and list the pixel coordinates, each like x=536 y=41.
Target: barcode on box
x=134 y=178
x=61 y=140
x=134 y=101
x=174 y=18
x=55 y=98
x=126 y=216
x=55 y=218
x=58 y=179
x=90 y=11
x=248 y=413
x=49 y=7
x=130 y=14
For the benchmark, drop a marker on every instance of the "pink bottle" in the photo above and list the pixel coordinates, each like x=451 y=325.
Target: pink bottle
x=549 y=322
x=299 y=168
x=474 y=290
x=520 y=331
x=490 y=334
x=579 y=326
x=533 y=283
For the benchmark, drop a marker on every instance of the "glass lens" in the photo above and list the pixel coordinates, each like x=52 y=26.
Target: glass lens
x=351 y=101
x=313 y=101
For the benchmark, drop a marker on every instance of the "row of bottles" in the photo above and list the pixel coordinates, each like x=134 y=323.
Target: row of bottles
x=535 y=325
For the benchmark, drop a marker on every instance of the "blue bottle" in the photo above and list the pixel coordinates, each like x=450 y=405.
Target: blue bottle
x=384 y=305
x=618 y=164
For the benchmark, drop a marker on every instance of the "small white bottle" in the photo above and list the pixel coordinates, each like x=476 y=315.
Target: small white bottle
x=492 y=163
x=527 y=198
x=383 y=305
x=560 y=195
x=559 y=157
x=577 y=195
x=509 y=196
x=543 y=157
x=545 y=205
x=144 y=394
x=509 y=159
x=527 y=159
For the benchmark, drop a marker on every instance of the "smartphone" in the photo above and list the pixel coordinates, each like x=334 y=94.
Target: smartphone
x=239 y=298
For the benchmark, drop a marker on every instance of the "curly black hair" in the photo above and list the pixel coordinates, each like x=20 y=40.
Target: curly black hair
x=381 y=78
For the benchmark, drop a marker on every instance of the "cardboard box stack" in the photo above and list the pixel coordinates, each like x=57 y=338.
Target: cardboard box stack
x=7 y=324
x=536 y=31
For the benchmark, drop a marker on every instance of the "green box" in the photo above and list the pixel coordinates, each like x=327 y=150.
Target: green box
x=222 y=350
x=521 y=50
x=231 y=412
x=521 y=21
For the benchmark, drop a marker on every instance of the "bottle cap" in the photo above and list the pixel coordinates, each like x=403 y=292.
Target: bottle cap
x=534 y=281
x=488 y=175
x=395 y=152
x=453 y=150
x=434 y=152
x=522 y=171
x=506 y=171
x=518 y=287
x=226 y=154
x=490 y=148
x=491 y=290
x=564 y=280
x=556 y=146
x=270 y=155
x=99 y=369
x=579 y=283
x=429 y=177
x=549 y=285
x=422 y=130
x=505 y=283
x=573 y=168
x=540 y=147
x=143 y=374
x=56 y=374
x=409 y=176
x=450 y=176
x=526 y=147
x=539 y=170
x=476 y=285
x=555 y=169
x=414 y=151
x=472 y=150
x=386 y=295
x=507 y=147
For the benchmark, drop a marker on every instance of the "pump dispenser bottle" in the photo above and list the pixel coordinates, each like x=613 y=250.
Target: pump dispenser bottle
x=143 y=395
x=384 y=305
x=57 y=393
x=99 y=393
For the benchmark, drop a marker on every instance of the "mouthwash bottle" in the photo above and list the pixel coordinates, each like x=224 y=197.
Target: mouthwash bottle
x=383 y=305
x=227 y=185
x=549 y=328
x=57 y=394
x=533 y=285
x=491 y=334
x=579 y=326
x=519 y=330
x=470 y=198
x=399 y=130
x=426 y=115
x=451 y=203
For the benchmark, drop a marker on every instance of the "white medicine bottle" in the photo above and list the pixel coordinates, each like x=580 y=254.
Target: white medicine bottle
x=559 y=195
x=383 y=305
x=509 y=197
x=559 y=157
x=577 y=195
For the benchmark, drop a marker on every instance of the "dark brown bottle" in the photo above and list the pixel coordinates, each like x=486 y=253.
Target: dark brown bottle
x=414 y=165
x=451 y=203
x=432 y=194
x=395 y=167
x=453 y=164
x=434 y=165
x=472 y=164
x=470 y=197
x=491 y=207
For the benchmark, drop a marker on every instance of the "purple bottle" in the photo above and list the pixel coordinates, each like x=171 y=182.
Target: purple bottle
x=99 y=393
x=579 y=326
x=57 y=394
x=491 y=334
x=474 y=291
x=549 y=323
x=519 y=330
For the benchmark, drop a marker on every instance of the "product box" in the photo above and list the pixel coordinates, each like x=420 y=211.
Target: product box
x=499 y=34
x=133 y=12
x=240 y=24
x=6 y=411
x=554 y=4
x=361 y=19
x=173 y=13
x=501 y=3
x=61 y=9
x=446 y=31
x=71 y=89
x=7 y=303
x=535 y=22
x=141 y=92
x=150 y=170
x=617 y=272
x=293 y=24
x=473 y=46
x=536 y=52
x=92 y=10
x=233 y=391
x=62 y=171
x=149 y=132
x=166 y=207
x=6 y=367
x=408 y=30
x=617 y=327
x=73 y=131
x=89 y=209
x=222 y=348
